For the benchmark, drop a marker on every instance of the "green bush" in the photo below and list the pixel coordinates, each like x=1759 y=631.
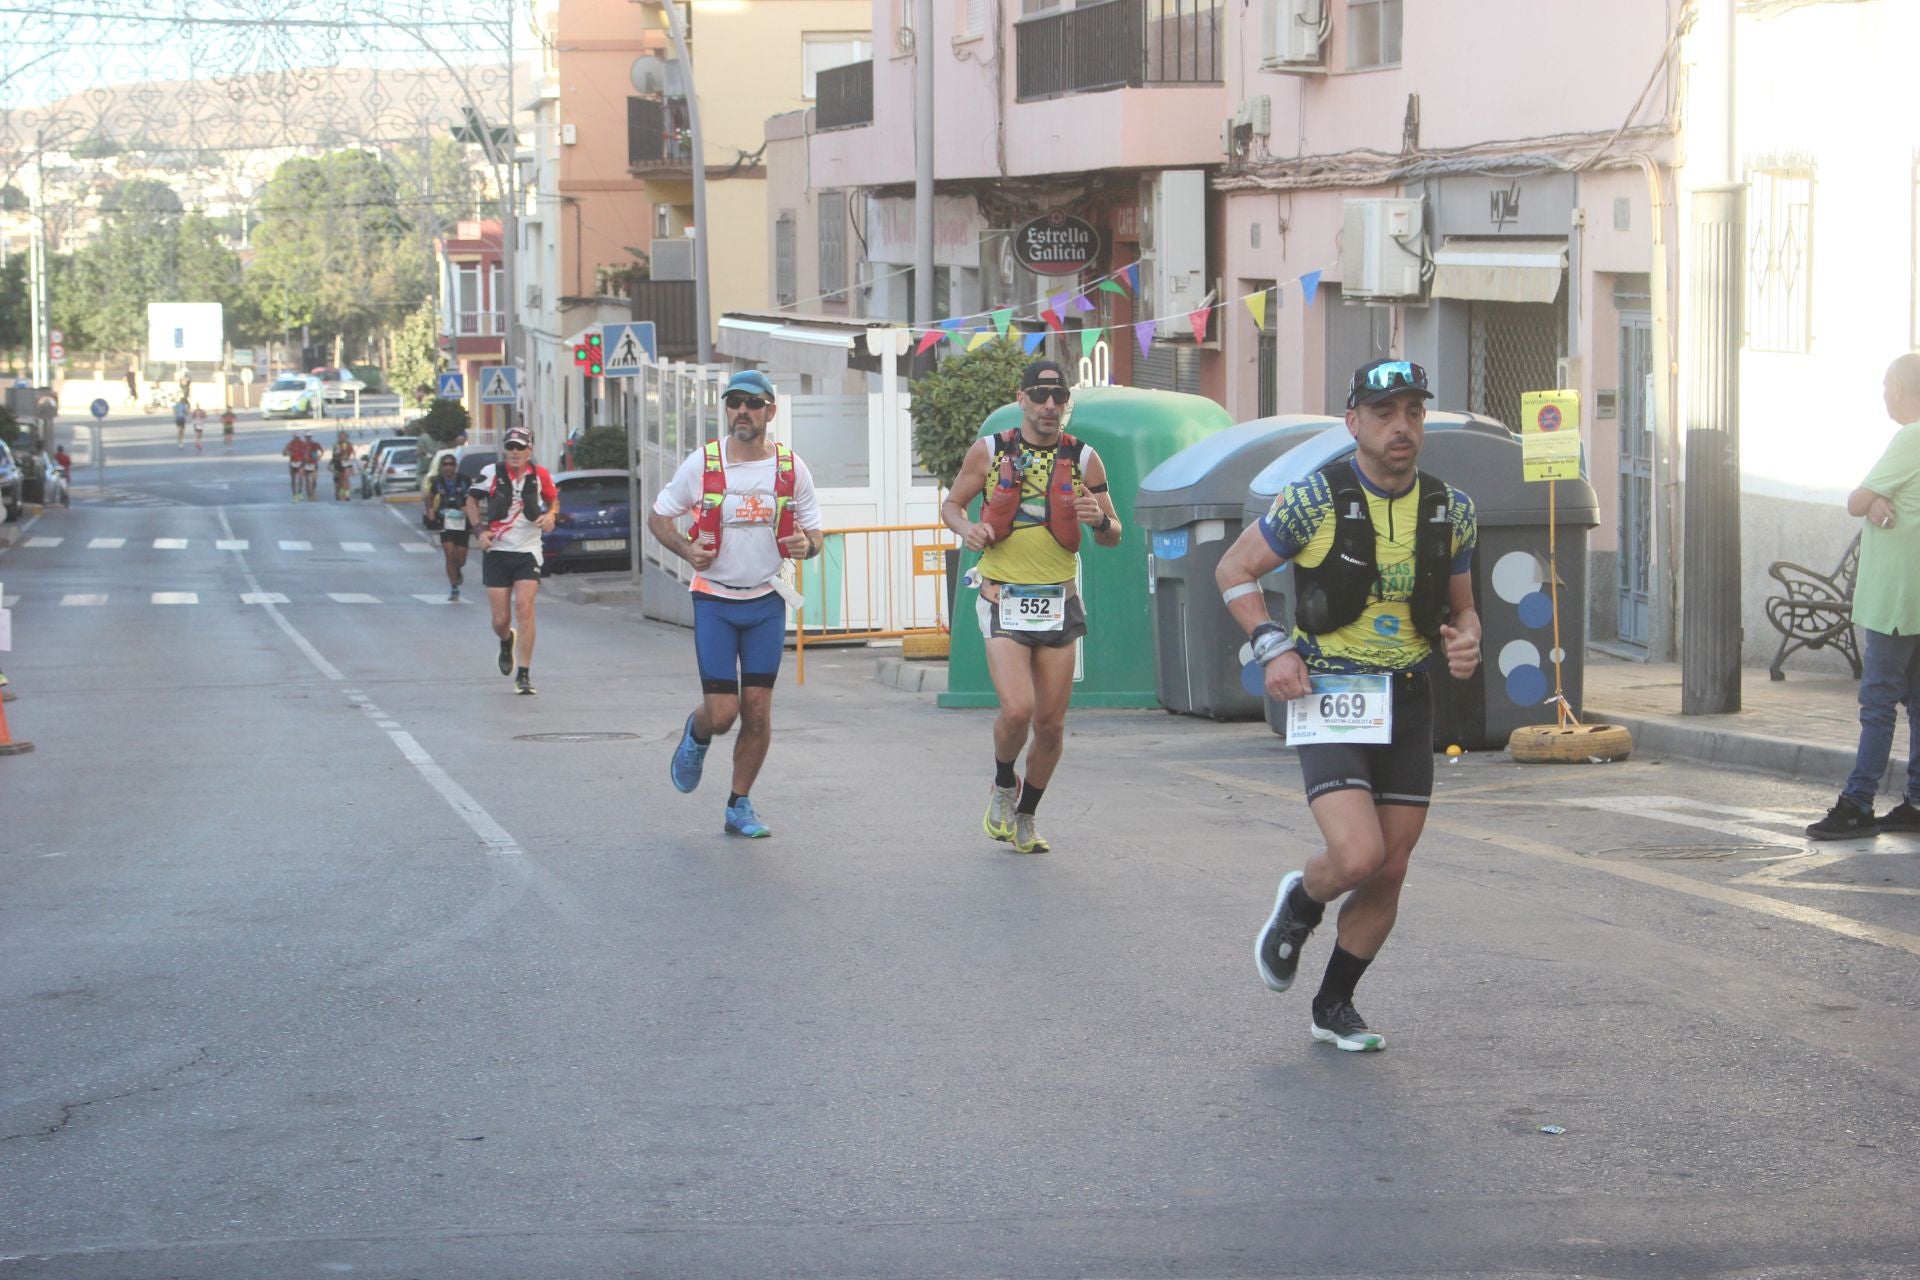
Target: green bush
x=444 y=420
x=951 y=403
x=601 y=447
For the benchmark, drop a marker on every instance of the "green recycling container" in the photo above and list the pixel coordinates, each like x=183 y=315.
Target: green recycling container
x=1134 y=431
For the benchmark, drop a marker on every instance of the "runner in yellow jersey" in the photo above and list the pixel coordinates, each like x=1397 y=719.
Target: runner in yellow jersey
x=1040 y=485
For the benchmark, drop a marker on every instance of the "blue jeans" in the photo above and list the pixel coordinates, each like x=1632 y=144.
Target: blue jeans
x=1890 y=675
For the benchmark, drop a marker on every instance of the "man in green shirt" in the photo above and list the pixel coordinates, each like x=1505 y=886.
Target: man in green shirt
x=1886 y=605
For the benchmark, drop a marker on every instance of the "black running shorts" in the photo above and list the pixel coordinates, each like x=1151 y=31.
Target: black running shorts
x=1073 y=625
x=1397 y=772
x=504 y=568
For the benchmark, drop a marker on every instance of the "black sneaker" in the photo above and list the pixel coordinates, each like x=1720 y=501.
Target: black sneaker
x=506 y=654
x=523 y=683
x=1276 y=952
x=1343 y=1027
x=1902 y=817
x=1844 y=821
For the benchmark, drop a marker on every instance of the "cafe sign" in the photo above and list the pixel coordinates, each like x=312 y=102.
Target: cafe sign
x=1057 y=244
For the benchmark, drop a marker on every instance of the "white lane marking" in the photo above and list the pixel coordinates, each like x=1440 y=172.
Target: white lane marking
x=83 y=599
x=290 y=544
x=231 y=544
x=388 y=724
x=1747 y=825
x=30 y=522
x=424 y=598
x=43 y=542
x=352 y=597
x=176 y=597
x=327 y=669
x=416 y=548
x=169 y=544
x=262 y=597
x=356 y=546
x=106 y=544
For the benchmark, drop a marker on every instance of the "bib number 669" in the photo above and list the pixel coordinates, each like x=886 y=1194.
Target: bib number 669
x=1343 y=706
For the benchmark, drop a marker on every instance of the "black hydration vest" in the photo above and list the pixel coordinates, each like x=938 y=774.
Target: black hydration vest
x=500 y=497
x=1337 y=590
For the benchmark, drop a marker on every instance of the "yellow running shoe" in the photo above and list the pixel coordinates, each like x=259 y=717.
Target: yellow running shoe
x=999 y=820
x=1027 y=837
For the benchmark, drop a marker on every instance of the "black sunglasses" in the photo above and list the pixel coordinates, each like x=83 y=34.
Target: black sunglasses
x=747 y=402
x=1049 y=395
x=1393 y=375
x=517 y=447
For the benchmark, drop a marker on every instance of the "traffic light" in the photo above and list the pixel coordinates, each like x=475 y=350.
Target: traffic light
x=588 y=356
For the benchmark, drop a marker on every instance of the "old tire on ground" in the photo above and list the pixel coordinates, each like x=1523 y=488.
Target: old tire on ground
x=1569 y=744
x=925 y=645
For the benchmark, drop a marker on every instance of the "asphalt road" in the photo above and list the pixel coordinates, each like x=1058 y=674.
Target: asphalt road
x=321 y=954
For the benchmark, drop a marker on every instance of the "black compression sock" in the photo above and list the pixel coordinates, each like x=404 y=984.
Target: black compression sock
x=1343 y=974
x=521 y=673
x=1305 y=908
x=1029 y=799
x=1003 y=775
x=734 y=798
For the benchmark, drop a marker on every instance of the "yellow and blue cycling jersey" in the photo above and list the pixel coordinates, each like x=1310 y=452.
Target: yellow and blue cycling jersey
x=1300 y=527
x=1029 y=555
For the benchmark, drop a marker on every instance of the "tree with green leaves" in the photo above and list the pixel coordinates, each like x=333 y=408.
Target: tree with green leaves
x=415 y=360
x=147 y=251
x=950 y=403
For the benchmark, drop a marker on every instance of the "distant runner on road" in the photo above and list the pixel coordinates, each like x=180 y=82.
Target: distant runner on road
x=511 y=504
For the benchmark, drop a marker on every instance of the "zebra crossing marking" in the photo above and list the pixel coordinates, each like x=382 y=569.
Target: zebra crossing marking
x=176 y=597
x=169 y=544
x=291 y=544
x=230 y=544
x=106 y=544
x=83 y=599
x=356 y=546
x=417 y=548
x=424 y=598
x=262 y=597
x=43 y=542
x=352 y=597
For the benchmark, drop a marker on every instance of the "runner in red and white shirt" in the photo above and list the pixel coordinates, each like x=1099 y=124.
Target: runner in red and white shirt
x=296 y=455
x=509 y=507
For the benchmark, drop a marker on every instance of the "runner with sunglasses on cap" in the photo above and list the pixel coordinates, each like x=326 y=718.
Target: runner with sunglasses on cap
x=1381 y=554
x=753 y=507
x=1045 y=485
x=510 y=505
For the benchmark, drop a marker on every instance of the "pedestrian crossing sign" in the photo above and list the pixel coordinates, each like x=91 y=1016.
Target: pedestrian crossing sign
x=452 y=386
x=626 y=347
x=499 y=384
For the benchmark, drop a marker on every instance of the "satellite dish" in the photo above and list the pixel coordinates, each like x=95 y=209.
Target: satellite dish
x=657 y=75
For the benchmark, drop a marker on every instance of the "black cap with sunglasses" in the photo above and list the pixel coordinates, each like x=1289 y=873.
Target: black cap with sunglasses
x=1044 y=381
x=1379 y=380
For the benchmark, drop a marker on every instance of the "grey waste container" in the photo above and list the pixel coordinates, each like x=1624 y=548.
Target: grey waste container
x=1190 y=507
x=1510 y=584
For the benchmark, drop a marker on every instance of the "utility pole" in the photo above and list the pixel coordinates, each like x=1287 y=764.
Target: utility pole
x=702 y=287
x=923 y=44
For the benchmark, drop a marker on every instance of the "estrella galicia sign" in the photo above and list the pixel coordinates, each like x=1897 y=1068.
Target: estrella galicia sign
x=1057 y=244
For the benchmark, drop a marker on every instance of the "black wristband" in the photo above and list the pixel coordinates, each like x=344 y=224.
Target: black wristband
x=1263 y=628
x=1106 y=523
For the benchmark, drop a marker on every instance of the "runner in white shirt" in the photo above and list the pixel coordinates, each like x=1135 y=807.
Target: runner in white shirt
x=509 y=515
x=754 y=507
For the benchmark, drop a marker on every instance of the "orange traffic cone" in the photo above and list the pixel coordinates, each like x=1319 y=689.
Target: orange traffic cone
x=8 y=747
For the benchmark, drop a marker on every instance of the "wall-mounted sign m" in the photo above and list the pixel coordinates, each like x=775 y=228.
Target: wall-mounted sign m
x=1057 y=244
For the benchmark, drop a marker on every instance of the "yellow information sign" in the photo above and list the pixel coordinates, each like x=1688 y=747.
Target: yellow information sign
x=1550 y=435
x=929 y=559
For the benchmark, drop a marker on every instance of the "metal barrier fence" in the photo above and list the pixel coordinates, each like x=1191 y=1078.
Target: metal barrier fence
x=880 y=582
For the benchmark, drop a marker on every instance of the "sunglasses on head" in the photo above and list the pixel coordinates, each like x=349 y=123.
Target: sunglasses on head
x=739 y=401
x=1394 y=375
x=1049 y=395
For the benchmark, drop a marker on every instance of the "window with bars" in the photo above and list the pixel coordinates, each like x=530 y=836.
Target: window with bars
x=1373 y=33
x=1512 y=348
x=833 y=246
x=1779 y=258
x=786 y=289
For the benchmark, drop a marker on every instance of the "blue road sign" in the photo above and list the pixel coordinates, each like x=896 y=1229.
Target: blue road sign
x=100 y=408
x=625 y=347
x=499 y=384
x=452 y=386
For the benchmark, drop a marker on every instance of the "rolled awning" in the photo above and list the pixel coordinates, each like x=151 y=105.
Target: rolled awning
x=1499 y=270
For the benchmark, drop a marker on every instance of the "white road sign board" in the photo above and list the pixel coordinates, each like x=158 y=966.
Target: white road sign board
x=625 y=347
x=452 y=386
x=499 y=384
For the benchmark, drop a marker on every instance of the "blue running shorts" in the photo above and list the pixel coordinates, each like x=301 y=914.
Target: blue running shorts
x=738 y=642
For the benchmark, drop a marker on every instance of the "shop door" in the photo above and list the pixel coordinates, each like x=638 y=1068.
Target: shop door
x=1636 y=476
x=1512 y=348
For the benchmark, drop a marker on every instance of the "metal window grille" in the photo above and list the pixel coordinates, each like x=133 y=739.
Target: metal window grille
x=1512 y=348
x=786 y=290
x=1373 y=33
x=1779 y=259
x=833 y=245
x=1268 y=359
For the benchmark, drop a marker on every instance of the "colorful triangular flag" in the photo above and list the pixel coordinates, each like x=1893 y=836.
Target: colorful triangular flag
x=1310 y=285
x=1143 y=334
x=1133 y=276
x=1083 y=303
x=983 y=336
x=927 y=341
x=1112 y=286
x=1257 y=304
x=1032 y=341
x=1198 y=319
x=1002 y=319
x=1089 y=339
x=1053 y=320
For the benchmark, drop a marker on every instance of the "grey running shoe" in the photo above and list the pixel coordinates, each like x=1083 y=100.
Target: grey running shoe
x=999 y=820
x=506 y=654
x=1027 y=837
x=1276 y=952
x=1343 y=1027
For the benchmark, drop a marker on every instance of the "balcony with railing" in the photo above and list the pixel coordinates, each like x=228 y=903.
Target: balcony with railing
x=1119 y=44
x=659 y=135
x=843 y=96
x=670 y=305
x=480 y=324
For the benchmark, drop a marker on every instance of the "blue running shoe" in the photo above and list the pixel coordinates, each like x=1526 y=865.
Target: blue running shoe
x=742 y=821
x=689 y=758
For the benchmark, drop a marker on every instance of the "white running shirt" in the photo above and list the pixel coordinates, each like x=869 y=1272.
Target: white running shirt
x=750 y=553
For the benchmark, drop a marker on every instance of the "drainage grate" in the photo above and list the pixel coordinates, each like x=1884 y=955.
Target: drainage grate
x=1697 y=852
x=575 y=737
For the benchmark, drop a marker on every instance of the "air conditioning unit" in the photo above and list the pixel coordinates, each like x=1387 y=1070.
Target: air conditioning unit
x=1173 y=242
x=1380 y=256
x=1296 y=34
x=671 y=259
x=1254 y=118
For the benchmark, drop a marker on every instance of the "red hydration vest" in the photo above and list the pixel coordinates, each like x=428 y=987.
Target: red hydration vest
x=713 y=493
x=1003 y=500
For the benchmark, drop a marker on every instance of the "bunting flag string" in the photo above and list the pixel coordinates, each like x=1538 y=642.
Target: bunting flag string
x=1257 y=304
x=1089 y=339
